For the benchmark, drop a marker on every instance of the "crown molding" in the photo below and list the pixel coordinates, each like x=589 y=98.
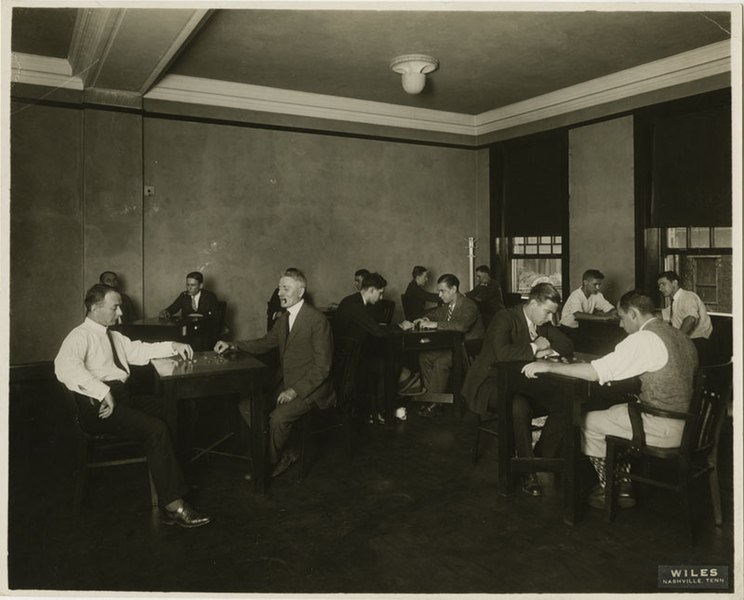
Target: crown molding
x=686 y=67
x=95 y=29
x=44 y=70
x=195 y=90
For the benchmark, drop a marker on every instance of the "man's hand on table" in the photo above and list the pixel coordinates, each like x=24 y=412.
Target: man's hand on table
x=222 y=347
x=532 y=369
x=183 y=350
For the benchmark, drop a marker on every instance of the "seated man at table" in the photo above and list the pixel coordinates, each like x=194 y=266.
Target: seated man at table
x=686 y=312
x=93 y=362
x=303 y=336
x=522 y=333
x=663 y=358
x=128 y=312
x=486 y=294
x=457 y=313
x=415 y=296
x=354 y=319
x=587 y=302
x=194 y=301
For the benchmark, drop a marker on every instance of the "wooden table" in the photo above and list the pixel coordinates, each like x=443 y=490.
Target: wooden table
x=597 y=337
x=573 y=394
x=420 y=341
x=208 y=375
x=152 y=329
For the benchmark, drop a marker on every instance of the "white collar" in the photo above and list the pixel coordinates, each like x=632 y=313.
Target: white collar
x=646 y=323
x=97 y=327
x=295 y=308
x=677 y=294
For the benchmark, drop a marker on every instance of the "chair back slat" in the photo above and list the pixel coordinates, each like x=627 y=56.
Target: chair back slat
x=717 y=387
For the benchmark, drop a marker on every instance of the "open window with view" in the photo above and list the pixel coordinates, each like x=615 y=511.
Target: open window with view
x=702 y=257
x=533 y=260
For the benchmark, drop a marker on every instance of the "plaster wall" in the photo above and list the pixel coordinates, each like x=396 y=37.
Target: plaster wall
x=241 y=204
x=46 y=234
x=113 y=199
x=601 y=205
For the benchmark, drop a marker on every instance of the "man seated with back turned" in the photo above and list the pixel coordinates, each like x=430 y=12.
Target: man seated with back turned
x=587 y=302
x=457 y=313
x=666 y=362
x=93 y=362
x=486 y=294
x=522 y=333
x=128 y=312
x=416 y=296
x=353 y=319
x=686 y=312
x=303 y=336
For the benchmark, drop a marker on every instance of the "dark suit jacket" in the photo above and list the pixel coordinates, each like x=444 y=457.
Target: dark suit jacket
x=489 y=299
x=507 y=340
x=305 y=355
x=208 y=306
x=354 y=319
x=465 y=318
x=128 y=313
x=416 y=299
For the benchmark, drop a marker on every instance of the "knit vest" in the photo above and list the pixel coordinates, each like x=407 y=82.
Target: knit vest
x=670 y=388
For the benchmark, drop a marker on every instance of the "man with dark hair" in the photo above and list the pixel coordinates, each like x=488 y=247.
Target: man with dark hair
x=522 y=333
x=457 y=313
x=128 y=313
x=486 y=294
x=666 y=362
x=195 y=300
x=415 y=296
x=93 y=362
x=353 y=319
x=587 y=302
x=303 y=336
x=359 y=276
x=686 y=312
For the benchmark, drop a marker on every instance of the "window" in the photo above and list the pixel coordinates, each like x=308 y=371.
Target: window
x=534 y=259
x=701 y=256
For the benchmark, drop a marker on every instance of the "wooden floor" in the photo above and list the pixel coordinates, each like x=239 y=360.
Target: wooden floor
x=408 y=514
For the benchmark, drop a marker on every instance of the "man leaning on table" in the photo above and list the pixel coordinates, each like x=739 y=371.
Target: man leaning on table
x=686 y=312
x=663 y=358
x=303 y=336
x=587 y=302
x=518 y=334
x=93 y=362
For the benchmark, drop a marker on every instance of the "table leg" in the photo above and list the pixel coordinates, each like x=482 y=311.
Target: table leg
x=571 y=447
x=259 y=436
x=458 y=358
x=505 y=483
x=390 y=387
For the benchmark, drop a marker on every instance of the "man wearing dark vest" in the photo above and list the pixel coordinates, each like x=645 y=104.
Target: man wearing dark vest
x=665 y=360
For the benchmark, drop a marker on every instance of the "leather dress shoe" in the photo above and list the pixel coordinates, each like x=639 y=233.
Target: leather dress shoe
x=185 y=516
x=248 y=476
x=285 y=462
x=625 y=495
x=531 y=485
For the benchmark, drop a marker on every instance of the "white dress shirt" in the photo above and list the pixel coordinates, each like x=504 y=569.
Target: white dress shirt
x=293 y=310
x=688 y=304
x=578 y=302
x=640 y=352
x=195 y=301
x=84 y=361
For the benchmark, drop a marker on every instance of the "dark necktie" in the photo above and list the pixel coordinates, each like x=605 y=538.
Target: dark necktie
x=117 y=362
x=671 y=309
x=450 y=310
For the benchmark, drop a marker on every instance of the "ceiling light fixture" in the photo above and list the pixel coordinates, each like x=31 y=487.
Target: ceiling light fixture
x=413 y=68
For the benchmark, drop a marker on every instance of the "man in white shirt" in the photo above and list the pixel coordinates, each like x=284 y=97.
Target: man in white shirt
x=93 y=362
x=686 y=312
x=663 y=358
x=587 y=302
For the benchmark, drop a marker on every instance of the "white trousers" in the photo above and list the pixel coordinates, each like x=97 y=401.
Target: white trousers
x=660 y=431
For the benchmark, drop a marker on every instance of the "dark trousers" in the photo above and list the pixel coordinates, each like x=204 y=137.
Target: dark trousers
x=524 y=409
x=142 y=419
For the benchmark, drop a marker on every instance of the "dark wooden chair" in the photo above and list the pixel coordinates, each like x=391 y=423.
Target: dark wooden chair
x=409 y=312
x=99 y=450
x=697 y=455
x=345 y=360
x=384 y=310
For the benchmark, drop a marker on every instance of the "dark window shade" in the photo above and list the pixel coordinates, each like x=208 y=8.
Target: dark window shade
x=691 y=171
x=535 y=186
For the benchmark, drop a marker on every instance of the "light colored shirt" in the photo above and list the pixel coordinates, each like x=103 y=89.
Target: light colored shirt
x=688 y=304
x=293 y=310
x=85 y=363
x=533 y=332
x=578 y=302
x=195 y=301
x=640 y=352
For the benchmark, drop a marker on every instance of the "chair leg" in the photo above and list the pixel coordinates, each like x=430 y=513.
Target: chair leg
x=153 y=490
x=610 y=481
x=715 y=496
x=684 y=492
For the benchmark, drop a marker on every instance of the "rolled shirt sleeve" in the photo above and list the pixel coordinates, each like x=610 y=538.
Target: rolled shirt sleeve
x=639 y=353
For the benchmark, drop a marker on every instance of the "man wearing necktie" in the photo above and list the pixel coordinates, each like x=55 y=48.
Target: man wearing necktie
x=521 y=333
x=93 y=362
x=303 y=336
x=194 y=300
x=457 y=313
